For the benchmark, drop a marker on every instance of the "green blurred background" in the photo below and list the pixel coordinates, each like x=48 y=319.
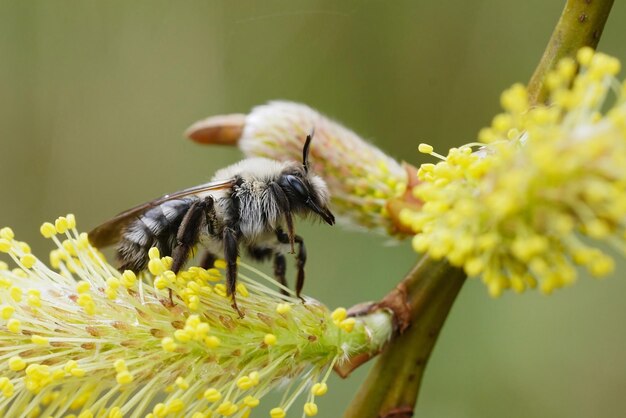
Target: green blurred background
x=94 y=97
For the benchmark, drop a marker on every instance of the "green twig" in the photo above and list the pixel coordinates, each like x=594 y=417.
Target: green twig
x=391 y=388
x=581 y=24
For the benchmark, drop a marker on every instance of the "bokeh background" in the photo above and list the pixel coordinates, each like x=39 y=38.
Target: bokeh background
x=94 y=97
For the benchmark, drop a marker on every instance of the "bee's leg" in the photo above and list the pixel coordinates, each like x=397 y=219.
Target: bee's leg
x=262 y=254
x=211 y=216
x=283 y=202
x=188 y=232
x=231 y=252
x=208 y=258
x=300 y=257
x=280 y=266
x=300 y=262
x=187 y=235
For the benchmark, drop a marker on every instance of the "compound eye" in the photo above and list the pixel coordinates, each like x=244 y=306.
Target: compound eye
x=297 y=185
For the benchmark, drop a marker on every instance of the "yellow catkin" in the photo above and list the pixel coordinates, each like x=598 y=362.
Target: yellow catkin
x=502 y=210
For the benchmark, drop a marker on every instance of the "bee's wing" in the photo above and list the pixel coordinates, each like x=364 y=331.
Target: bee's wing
x=110 y=232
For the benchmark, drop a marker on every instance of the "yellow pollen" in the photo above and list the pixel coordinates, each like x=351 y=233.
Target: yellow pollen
x=182 y=335
x=47 y=230
x=212 y=341
x=220 y=289
x=278 y=413
x=36 y=411
x=425 y=148
x=242 y=290
x=347 y=324
x=115 y=412
x=14 y=325
x=339 y=314
x=270 y=339
x=319 y=389
x=193 y=321
x=124 y=378
x=49 y=398
x=16 y=293
x=212 y=395
x=113 y=282
x=176 y=405
x=154 y=253
x=61 y=225
x=78 y=372
x=70 y=365
x=6 y=386
x=160 y=410
x=24 y=247
x=227 y=408
x=602 y=266
x=20 y=273
x=83 y=287
x=5 y=245
x=155 y=265
x=7 y=233
x=220 y=264
x=310 y=409
x=71 y=220
x=584 y=56
x=161 y=283
x=16 y=363
x=39 y=340
x=86 y=302
x=7 y=311
x=283 y=308
x=245 y=383
x=251 y=401
x=168 y=344
x=28 y=260
x=182 y=383
x=212 y=275
x=128 y=279
x=120 y=365
x=110 y=293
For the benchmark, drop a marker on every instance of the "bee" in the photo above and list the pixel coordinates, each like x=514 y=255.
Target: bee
x=250 y=204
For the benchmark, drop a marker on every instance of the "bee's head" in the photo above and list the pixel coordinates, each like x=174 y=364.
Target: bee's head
x=306 y=191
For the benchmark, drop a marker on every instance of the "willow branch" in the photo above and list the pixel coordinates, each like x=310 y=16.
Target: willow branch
x=581 y=24
x=391 y=388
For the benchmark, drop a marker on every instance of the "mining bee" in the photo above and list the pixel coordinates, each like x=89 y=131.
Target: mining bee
x=249 y=204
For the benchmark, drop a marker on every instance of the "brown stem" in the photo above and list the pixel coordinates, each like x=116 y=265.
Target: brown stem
x=581 y=24
x=391 y=388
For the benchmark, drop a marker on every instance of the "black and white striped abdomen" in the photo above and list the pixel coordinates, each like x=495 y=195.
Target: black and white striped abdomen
x=157 y=227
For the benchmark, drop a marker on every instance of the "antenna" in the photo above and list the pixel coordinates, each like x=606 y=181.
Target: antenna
x=305 y=150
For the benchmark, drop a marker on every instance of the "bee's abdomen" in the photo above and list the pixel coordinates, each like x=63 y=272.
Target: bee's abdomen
x=157 y=227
